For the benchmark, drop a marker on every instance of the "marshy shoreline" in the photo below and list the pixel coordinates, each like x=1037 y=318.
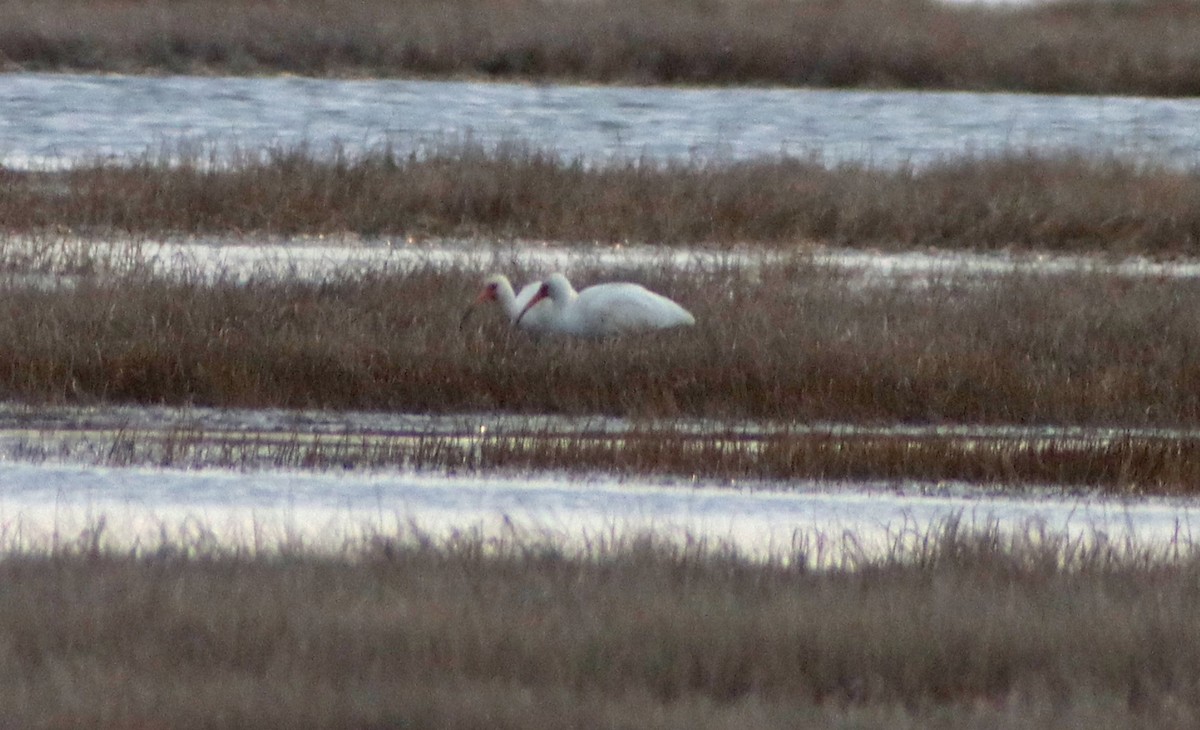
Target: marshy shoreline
x=781 y=340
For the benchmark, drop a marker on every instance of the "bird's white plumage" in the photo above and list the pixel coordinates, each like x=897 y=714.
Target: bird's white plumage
x=498 y=288
x=601 y=310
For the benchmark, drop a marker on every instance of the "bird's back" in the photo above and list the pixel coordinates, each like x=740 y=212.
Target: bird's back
x=621 y=308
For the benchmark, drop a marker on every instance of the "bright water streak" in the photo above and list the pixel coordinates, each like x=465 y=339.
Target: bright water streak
x=325 y=259
x=49 y=120
x=43 y=503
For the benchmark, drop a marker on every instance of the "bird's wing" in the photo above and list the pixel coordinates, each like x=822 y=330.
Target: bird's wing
x=632 y=308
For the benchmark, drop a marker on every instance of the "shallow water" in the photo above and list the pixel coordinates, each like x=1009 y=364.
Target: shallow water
x=52 y=119
x=53 y=263
x=48 y=503
x=18 y=421
x=71 y=488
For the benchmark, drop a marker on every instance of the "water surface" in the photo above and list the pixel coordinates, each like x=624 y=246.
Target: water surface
x=31 y=261
x=52 y=503
x=57 y=481
x=50 y=119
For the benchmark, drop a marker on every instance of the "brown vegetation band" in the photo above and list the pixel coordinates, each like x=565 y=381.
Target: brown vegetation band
x=1117 y=464
x=1147 y=47
x=1014 y=201
x=957 y=626
x=790 y=342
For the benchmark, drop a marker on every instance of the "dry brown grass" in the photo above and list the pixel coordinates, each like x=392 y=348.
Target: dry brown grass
x=1066 y=202
x=794 y=342
x=961 y=627
x=1130 y=464
x=1139 y=47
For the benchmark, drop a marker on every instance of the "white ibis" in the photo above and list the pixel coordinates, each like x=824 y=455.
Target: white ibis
x=497 y=288
x=601 y=310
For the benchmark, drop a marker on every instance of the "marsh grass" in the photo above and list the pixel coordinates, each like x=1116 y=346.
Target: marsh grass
x=952 y=624
x=791 y=342
x=1125 y=465
x=1147 y=47
x=512 y=190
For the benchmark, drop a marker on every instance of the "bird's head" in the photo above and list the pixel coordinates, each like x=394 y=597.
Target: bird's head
x=489 y=293
x=543 y=292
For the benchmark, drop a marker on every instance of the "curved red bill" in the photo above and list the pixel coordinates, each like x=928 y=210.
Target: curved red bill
x=542 y=293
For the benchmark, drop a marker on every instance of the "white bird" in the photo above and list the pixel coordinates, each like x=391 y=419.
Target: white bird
x=497 y=288
x=601 y=310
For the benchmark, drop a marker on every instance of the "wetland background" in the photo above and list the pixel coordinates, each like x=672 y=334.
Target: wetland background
x=1071 y=372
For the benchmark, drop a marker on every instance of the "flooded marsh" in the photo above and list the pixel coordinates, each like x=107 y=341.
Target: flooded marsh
x=1111 y=461
x=928 y=455
x=796 y=341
